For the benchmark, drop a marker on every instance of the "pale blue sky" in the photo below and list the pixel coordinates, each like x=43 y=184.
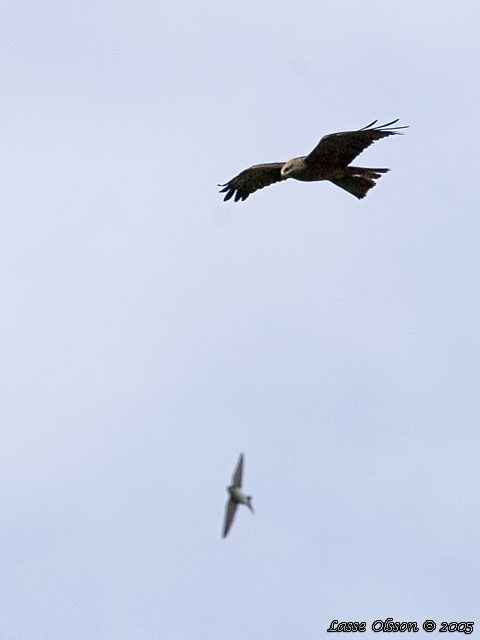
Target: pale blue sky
x=150 y=331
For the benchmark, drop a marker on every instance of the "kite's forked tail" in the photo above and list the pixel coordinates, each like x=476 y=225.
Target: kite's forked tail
x=358 y=180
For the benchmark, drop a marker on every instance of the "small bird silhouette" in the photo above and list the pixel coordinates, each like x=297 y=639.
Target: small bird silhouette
x=236 y=497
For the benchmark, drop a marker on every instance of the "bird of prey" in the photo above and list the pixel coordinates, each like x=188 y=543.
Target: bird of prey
x=330 y=160
x=236 y=497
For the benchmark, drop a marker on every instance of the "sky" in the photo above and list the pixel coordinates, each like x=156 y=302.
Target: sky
x=151 y=332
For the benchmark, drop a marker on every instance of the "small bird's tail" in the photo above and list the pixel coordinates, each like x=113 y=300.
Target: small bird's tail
x=249 y=503
x=358 y=181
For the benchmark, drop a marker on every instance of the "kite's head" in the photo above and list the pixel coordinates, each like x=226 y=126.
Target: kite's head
x=291 y=167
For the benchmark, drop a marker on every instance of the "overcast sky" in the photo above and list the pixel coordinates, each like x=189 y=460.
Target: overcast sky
x=151 y=332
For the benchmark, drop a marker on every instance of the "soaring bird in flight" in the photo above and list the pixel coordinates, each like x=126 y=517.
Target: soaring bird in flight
x=330 y=160
x=236 y=497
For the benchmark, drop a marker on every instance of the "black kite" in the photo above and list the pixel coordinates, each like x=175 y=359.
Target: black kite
x=329 y=160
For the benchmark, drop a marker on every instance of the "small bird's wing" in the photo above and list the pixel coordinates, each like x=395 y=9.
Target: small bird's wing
x=252 y=179
x=337 y=150
x=237 y=476
x=229 y=516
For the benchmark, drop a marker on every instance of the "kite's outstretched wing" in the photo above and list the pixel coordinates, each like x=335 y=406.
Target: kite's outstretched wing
x=229 y=516
x=248 y=181
x=337 y=150
x=237 y=476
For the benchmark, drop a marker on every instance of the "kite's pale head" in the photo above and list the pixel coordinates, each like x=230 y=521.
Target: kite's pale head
x=291 y=167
